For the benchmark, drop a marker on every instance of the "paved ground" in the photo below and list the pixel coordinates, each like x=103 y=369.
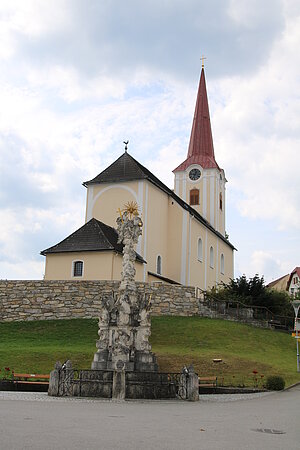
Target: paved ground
x=219 y=422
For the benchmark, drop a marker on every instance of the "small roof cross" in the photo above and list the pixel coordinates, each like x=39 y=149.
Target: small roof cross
x=203 y=58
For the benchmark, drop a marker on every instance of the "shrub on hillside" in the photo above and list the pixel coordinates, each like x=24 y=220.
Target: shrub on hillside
x=275 y=383
x=253 y=292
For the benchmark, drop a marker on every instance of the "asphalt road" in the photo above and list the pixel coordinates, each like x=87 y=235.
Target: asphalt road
x=228 y=422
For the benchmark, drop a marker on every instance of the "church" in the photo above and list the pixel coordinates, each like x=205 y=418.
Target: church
x=184 y=239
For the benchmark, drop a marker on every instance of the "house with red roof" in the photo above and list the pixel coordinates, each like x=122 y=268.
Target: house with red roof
x=293 y=284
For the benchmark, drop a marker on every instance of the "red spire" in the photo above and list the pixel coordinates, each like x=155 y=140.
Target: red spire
x=201 y=148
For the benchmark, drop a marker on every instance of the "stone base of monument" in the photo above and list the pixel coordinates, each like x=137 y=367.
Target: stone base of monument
x=145 y=362
x=103 y=362
x=120 y=384
x=141 y=362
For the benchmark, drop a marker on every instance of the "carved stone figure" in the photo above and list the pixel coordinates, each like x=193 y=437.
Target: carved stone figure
x=129 y=227
x=124 y=322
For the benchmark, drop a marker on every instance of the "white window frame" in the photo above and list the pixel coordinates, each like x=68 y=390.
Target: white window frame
x=200 y=249
x=73 y=268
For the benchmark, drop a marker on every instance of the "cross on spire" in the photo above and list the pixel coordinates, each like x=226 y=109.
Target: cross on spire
x=203 y=58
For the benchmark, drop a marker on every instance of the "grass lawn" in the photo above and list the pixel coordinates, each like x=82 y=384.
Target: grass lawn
x=35 y=346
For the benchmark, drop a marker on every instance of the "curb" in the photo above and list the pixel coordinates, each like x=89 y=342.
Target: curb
x=292 y=385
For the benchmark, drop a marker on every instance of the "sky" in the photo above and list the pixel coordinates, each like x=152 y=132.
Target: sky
x=78 y=77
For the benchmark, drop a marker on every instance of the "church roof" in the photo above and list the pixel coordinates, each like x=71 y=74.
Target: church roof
x=93 y=236
x=126 y=168
x=201 y=148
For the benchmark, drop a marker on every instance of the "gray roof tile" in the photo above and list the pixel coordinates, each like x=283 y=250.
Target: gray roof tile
x=93 y=236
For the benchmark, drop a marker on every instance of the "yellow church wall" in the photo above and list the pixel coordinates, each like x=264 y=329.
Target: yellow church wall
x=174 y=246
x=169 y=231
x=212 y=270
x=96 y=265
x=209 y=186
x=195 y=185
x=155 y=228
x=197 y=267
x=208 y=194
x=139 y=267
x=104 y=200
x=201 y=273
x=228 y=262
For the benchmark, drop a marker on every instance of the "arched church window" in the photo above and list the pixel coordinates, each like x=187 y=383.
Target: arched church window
x=158 y=265
x=194 y=197
x=200 y=250
x=222 y=265
x=77 y=269
x=221 y=201
x=211 y=257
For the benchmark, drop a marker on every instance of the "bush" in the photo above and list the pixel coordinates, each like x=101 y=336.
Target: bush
x=253 y=292
x=275 y=383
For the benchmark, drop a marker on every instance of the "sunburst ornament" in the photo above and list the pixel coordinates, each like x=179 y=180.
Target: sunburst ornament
x=132 y=209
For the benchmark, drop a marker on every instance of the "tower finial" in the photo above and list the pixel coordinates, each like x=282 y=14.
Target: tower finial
x=126 y=145
x=203 y=58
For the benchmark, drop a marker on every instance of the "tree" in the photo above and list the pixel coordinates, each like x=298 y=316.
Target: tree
x=253 y=292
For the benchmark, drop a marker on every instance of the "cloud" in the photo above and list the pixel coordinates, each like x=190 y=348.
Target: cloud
x=258 y=134
x=77 y=78
x=267 y=265
x=98 y=38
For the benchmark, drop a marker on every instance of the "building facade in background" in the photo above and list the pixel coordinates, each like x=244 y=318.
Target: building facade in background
x=289 y=283
x=293 y=285
x=184 y=239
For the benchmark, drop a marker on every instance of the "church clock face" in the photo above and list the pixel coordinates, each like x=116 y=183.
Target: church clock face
x=194 y=174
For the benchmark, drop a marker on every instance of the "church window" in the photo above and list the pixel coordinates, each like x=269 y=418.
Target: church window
x=221 y=201
x=222 y=265
x=200 y=250
x=158 y=265
x=211 y=257
x=194 y=197
x=77 y=268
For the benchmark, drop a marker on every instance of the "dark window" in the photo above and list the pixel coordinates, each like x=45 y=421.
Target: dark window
x=78 y=269
x=222 y=264
x=194 y=197
x=158 y=265
x=211 y=257
x=221 y=201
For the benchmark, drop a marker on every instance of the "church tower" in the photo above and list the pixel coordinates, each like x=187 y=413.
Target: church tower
x=199 y=181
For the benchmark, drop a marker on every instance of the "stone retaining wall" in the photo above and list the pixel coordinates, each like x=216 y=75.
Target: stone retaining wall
x=40 y=300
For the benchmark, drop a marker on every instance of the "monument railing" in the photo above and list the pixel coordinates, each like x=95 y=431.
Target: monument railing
x=73 y=381
x=243 y=312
